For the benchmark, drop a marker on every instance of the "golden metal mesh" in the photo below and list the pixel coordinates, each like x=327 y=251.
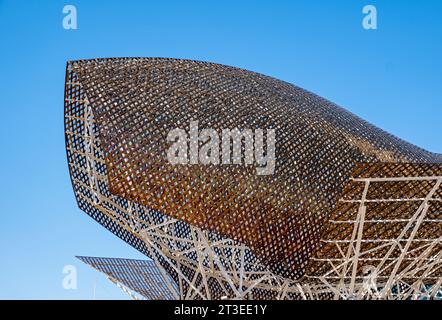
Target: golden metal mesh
x=137 y=101
x=175 y=245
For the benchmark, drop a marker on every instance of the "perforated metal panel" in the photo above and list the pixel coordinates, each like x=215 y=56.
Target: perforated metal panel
x=141 y=276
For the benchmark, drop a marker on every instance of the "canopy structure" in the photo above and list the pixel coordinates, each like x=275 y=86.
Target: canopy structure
x=140 y=276
x=340 y=185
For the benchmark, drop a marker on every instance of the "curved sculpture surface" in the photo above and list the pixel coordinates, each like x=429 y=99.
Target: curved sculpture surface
x=129 y=107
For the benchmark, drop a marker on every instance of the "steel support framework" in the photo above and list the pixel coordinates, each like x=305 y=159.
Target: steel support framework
x=203 y=265
x=222 y=261
x=400 y=261
x=405 y=265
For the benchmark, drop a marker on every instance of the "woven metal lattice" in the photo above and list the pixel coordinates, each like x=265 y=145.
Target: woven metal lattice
x=137 y=101
x=141 y=276
x=174 y=244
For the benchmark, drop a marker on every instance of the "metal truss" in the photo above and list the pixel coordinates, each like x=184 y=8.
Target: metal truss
x=406 y=266
x=126 y=290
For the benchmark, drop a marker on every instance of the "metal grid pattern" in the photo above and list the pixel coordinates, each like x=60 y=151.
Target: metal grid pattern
x=203 y=264
x=208 y=264
x=137 y=101
x=384 y=239
x=141 y=276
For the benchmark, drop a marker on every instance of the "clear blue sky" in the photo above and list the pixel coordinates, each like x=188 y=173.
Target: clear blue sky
x=392 y=77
